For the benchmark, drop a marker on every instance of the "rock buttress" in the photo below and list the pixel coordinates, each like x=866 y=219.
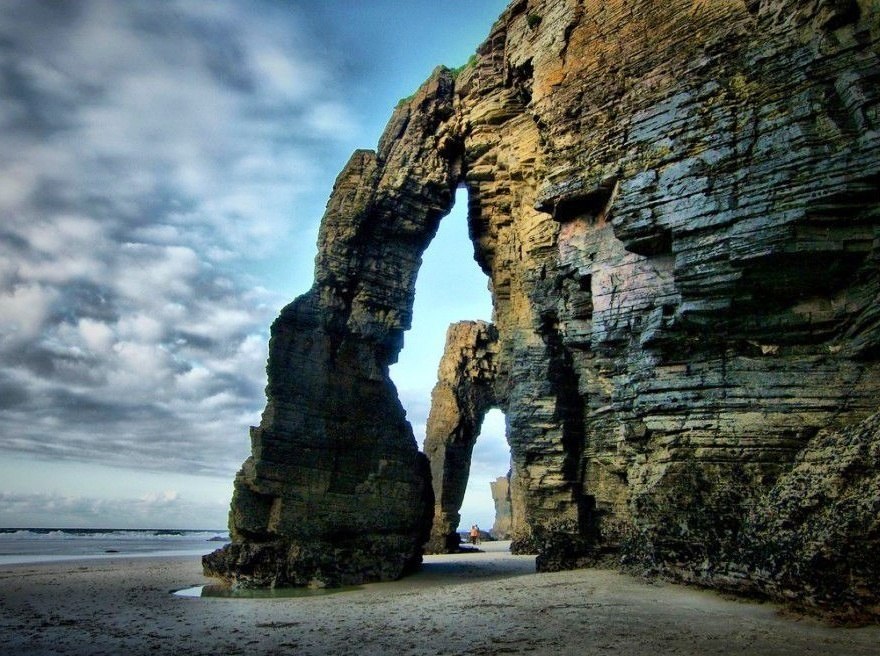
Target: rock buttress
x=335 y=491
x=464 y=392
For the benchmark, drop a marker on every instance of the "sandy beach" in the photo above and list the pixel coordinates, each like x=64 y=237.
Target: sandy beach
x=483 y=603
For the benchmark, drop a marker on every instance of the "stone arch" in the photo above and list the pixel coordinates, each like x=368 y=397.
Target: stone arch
x=669 y=365
x=464 y=393
x=336 y=491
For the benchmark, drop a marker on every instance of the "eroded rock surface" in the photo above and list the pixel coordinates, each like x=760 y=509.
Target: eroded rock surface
x=464 y=392
x=821 y=523
x=503 y=512
x=677 y=205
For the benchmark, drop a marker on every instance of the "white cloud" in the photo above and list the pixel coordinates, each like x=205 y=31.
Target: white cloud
x=141 y=327
x=23 y=311
x=194 y=382
x=164 y=498
x=98 y=336
x=162 y=508
x=17 y=183
x=62 y=233
x=331 y=118
x=293 y=79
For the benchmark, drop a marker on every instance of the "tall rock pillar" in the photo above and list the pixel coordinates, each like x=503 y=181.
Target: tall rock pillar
x=335 y=491
x=503 y=511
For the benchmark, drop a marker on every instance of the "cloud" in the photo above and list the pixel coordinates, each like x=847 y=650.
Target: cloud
x=153 y=157
x=162 y=508
x=24 y=308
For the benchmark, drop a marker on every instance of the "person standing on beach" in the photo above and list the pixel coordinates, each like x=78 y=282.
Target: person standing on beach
x=475 y=534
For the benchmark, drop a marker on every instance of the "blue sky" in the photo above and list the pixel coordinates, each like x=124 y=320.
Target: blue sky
x=163 y=169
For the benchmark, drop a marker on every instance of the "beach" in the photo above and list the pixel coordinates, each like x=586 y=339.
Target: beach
x=482 y=603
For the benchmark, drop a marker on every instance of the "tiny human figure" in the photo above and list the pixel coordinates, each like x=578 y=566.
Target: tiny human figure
x=475 y=534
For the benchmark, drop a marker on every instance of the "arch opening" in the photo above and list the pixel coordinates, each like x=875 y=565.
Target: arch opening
x=450 y=287
x=445 y=378
x=486 y=501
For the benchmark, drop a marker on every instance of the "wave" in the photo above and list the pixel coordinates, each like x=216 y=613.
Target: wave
x=110 y=533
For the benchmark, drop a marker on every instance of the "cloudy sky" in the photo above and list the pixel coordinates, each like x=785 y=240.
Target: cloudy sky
x=163 y=168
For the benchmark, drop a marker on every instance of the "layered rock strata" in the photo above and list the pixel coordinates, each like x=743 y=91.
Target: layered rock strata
x=336 y=491
x=500 y=488
x=464 y=392
x=677 y=205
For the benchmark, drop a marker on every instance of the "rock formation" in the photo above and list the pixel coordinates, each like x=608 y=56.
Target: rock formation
x=464 y=392
x=820 y=523
x=503 y=511
x=335 y=491
x=677 y=205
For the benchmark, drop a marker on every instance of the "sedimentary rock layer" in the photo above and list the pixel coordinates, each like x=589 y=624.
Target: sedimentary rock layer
x=503 y=513
x=677 y=205
x=464 y=392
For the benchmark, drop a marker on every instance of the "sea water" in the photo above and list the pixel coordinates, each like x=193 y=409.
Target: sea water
x=225 y=592
x=32 y=545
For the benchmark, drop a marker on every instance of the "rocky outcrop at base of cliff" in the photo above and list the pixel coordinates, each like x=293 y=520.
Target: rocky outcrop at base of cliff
x=326 y=563
x=811 y=540
x=814 y=540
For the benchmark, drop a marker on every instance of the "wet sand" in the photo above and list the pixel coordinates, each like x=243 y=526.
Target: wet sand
x=484 y=603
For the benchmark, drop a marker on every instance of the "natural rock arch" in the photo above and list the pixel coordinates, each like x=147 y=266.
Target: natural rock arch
x=464 y=393
x=676 y=206
x=336 y=491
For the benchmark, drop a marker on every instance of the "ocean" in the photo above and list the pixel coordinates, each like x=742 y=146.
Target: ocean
x=34 y=545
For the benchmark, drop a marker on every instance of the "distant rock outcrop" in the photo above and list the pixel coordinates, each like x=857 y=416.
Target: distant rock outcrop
x=503 y=511
x=677 y=205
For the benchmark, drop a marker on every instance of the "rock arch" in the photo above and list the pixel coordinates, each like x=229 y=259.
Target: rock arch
x=465 y=391
x=685 y=275
x=336 y=491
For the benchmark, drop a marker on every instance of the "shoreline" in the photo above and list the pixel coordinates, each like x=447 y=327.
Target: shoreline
x=38 y=559
x=35 y=545
x=483 y=603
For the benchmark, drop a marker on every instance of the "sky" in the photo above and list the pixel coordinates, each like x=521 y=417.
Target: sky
x=163 y=170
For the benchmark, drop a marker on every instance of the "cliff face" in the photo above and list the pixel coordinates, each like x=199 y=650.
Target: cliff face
x=676 y=203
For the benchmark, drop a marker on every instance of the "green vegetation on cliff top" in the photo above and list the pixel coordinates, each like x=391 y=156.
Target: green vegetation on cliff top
x=472 y=60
